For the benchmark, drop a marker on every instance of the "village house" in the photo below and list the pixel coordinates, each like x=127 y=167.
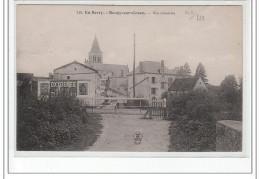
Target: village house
x=113 y=76
x=185 y=85
x=80 y=79
x=152 y=79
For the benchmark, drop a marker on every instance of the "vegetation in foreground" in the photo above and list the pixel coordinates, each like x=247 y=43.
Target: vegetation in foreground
x=194 y=115
x=54 y=124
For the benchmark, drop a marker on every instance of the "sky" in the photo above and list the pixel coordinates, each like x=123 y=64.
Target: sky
x=49 y=36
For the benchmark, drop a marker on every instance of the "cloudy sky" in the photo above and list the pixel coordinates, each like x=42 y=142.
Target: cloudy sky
x=49 y=36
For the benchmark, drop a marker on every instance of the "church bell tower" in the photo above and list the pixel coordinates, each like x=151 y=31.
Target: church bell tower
x=95 y=55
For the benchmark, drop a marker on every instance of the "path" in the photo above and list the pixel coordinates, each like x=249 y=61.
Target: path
x=119 y=130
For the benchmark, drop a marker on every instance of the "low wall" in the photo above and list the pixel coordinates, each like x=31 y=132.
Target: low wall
x=229 y=136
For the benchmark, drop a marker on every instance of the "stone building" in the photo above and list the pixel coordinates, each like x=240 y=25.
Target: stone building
x=152 y=79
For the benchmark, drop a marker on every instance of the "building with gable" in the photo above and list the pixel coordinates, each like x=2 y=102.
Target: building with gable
x=113 y=76
x=185 y=85
x=87 y=79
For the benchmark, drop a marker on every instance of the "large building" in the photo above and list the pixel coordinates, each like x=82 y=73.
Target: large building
x=152 y=79
x=113 y=76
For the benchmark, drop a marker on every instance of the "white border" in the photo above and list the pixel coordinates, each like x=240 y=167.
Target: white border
x=135 y=161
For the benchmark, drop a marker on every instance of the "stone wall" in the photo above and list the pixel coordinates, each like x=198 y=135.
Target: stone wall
x=229 y=136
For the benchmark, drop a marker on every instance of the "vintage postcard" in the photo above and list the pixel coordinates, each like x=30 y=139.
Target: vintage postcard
x=96 y=78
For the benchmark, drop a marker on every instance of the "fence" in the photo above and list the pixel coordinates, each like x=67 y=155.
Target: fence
x=136 y=106
x=158 y=108
x=114 y=105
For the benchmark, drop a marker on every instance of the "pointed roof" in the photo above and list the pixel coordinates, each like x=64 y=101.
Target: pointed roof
x=95 y=46
x=183 y=84
x=75 y=62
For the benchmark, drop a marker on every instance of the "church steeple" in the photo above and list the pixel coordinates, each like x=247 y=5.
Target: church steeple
x=95 y=54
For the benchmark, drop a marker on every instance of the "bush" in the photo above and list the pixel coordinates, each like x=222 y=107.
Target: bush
x=196 y=115
x=58 y=123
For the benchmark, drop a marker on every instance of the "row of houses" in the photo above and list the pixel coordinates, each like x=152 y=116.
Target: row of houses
x=93 y=78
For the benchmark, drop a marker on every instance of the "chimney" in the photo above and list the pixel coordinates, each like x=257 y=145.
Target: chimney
x=181 y=68
x=162 y=64
x=161 y=70
x=141 y=68
x=50 y=76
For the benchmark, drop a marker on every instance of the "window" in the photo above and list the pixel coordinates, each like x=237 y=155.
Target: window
x=153 y=79
x=162 y=85
x=83 y=89
x=68 y=77
x=153 y=90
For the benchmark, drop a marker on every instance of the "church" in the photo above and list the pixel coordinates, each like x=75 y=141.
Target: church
x=113 y=76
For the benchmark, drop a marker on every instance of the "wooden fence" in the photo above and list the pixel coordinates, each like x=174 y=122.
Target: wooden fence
x=157 y=108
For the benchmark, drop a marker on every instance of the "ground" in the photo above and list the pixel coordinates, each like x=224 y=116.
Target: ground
x=119 y=130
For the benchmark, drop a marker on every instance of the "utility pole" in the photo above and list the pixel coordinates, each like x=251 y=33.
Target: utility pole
x=134 y=70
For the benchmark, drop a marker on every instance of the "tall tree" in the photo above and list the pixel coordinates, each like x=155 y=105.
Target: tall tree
x=187 y=69
x=201 y=72
x=229 y=89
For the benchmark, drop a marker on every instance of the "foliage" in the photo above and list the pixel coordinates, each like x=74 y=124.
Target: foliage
x=201 y=72
x=164 y=95
x=195 y=114
x=58 y=123
x=184 y=70
x=187 y=69
x=228 y=89
x=230 y=94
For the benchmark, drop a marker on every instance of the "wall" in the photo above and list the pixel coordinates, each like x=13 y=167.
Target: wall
x=143 y=90
x=229 y=136
x=40 y=91
x=200 y=85
x=80 y=73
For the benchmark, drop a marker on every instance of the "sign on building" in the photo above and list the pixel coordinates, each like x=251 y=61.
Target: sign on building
x=44 y=89
x=63 y=86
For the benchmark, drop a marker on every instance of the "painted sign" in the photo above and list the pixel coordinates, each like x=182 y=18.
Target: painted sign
x=63 y=86
x=83 y=88
x=44 y=89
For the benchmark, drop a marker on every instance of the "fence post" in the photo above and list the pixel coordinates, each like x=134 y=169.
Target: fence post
x=140 y=106
x=92 y=106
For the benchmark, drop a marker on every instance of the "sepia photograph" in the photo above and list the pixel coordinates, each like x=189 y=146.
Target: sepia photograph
x=103 y=78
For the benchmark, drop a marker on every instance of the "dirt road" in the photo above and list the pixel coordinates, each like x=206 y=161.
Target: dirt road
x=119 y=132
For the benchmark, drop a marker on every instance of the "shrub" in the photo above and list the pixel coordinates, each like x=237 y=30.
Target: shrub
x=58 y=123
x=196 y=115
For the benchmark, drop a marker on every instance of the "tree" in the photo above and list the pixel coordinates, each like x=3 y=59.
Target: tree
x=201 y=72
x=187 y=69
x=229 y=89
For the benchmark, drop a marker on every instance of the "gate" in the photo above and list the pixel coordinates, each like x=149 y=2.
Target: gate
x=116 y=105
x=157 y=108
